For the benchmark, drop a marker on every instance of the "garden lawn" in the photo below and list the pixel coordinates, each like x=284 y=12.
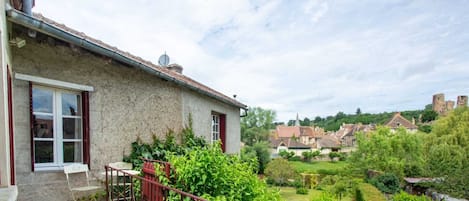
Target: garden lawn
x=313 y=167
x=289 y=194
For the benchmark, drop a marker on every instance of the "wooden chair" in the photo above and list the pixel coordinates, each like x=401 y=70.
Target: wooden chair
x=77 y=169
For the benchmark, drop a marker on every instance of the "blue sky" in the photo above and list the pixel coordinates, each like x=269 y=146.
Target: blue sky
x=314 y=58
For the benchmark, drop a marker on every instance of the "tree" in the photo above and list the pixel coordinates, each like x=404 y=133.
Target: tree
x=279 y=171
x=429 y=115
x=306 y=122
x=256 y=125
x=358 y=112
x=308 y=155
x=261 y=151
x=447 y=152
x=400 y=152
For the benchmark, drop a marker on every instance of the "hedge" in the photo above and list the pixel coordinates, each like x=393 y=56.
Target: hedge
x=367 y=192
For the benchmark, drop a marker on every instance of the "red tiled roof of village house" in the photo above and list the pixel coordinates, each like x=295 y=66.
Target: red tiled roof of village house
x=165 y=71
x=398 y=120
x=287 y=131
x=288 y=142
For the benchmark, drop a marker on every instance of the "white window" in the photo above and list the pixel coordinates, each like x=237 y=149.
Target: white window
x=57 y=127
x=215 y=127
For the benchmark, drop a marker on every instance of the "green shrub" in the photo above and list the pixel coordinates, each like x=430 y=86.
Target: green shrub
x=367 y=192
x=286 y=154
x=327 y=172
x=403 y=196
x=308 y=155
x=302 y=191
x=295 y=158
x=387 y=183
x=279 y=171
x=209 y=172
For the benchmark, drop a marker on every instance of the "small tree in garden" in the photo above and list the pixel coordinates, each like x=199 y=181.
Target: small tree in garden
x=286 y=154
x=308 y=155
x=279 y=171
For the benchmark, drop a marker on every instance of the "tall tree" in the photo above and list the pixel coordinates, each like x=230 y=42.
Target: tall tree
x=256 y=125
x=447 y=152
x=358 y=112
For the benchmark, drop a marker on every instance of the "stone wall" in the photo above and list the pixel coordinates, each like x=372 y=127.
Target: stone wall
x=126 y=103
x=201 y=108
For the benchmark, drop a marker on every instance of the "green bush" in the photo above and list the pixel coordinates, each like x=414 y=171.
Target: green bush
x=279 y=171
x=387 y=183
x=295 y=158
x=325 y=196
x=367 y=192
x=403 y=196
x=327 y=172
x=286 y=154
x=209 y=172
x=308 y=155
x=302 y=191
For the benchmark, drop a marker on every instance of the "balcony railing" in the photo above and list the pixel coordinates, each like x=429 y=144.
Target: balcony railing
x=125 y=185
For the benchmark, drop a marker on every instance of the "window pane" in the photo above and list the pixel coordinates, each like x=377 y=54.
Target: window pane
x=71 y=104
x=71 y=128
x=42 y=100
x=72 y=152
x=43 y=151
x=43 y=126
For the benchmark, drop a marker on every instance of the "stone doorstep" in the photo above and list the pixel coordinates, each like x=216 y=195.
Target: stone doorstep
x=8 y=193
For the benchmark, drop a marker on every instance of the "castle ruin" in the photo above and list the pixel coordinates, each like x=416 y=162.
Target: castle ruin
x=442 y=107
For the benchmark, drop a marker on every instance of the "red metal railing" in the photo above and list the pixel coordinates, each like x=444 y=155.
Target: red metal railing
x=122 y=185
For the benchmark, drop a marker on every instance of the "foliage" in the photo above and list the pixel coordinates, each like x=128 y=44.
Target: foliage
x=302 y=191
x=425 y=128
x=249 y=156
x=98 y=196
x=279 y=171
x=429 y=115
x=319 y=167
x=295 y=158
x=388 y=182
x=367 y=192
x=403 y=196
x=207 y=171
x=308 y=155
x=396 y=152
x=161 y=149
x=447 y=151
x=256 y=124
x=333 y=123
x=262 y=153
x=286 y=154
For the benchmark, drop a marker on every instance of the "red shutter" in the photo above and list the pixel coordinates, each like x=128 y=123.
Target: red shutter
x=223 y=131
x=10 y=126
x=86 y=127
x=31 y=123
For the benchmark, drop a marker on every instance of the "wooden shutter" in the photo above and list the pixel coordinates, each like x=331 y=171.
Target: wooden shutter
x=86 y=127
x=223 y=131
x=10 y=127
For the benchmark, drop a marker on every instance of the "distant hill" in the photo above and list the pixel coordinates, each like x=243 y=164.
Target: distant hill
x=332 y=123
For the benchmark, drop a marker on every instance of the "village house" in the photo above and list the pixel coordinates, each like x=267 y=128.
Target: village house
x=68 y=98
x=346 y=133
x=302 y=138
x=398 y=121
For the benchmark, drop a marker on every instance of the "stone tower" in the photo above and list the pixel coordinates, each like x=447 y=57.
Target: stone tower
x=462 y=101
x=449 y=105
x=439 y=104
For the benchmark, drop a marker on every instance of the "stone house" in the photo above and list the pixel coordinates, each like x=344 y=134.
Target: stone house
x=346 y=133
x=398 y=120
x=68 y=98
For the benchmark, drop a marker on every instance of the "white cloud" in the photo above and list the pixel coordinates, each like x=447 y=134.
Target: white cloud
x=314 y=58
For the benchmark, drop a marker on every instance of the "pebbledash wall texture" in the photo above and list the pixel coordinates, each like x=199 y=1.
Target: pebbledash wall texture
x=126 y=103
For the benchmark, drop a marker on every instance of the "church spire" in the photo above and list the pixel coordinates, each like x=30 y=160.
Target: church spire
x=297 y=122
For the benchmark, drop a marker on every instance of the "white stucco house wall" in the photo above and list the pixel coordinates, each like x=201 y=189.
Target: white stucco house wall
x=74 y=99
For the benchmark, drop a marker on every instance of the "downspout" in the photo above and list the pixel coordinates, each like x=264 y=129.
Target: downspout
x=41 y=26
x=27 y=9
x=245 y=112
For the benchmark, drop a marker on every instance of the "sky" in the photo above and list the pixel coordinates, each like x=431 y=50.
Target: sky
x=314 y=58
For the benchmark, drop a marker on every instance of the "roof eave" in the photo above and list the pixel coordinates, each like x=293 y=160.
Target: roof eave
x=31 y=22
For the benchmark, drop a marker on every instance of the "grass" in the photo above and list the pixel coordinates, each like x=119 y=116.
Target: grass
x=313 y=167
x=289 y=194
